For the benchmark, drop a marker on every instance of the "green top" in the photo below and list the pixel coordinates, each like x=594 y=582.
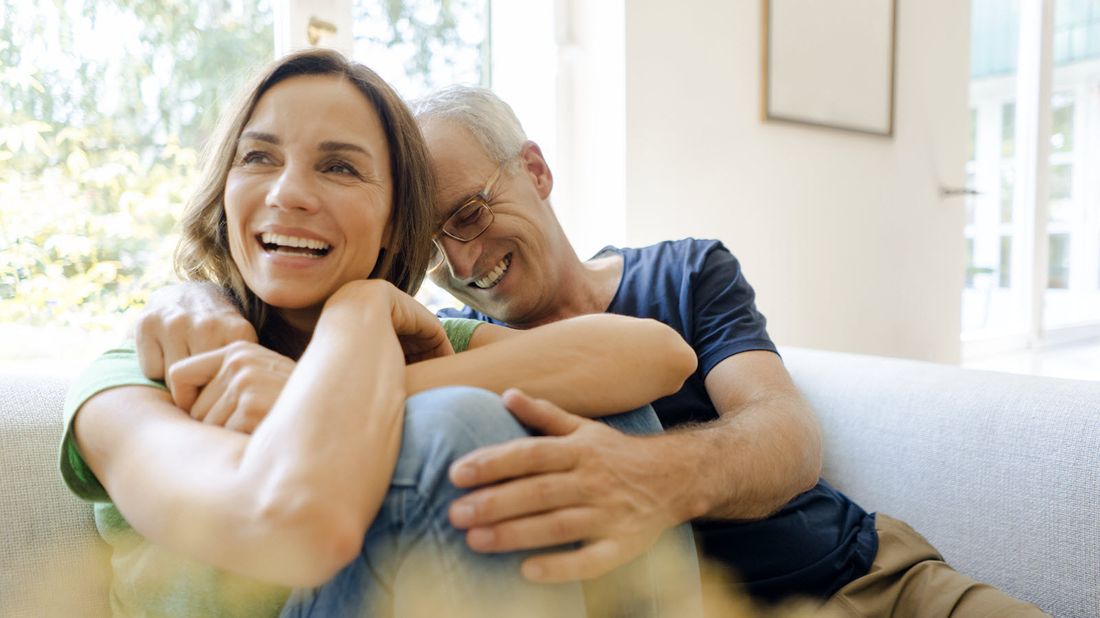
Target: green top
x=150 y=580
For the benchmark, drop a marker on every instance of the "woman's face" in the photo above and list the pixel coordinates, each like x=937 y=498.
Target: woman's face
x=308 y=199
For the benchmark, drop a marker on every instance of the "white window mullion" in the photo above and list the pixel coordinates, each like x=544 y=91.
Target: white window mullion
x=1035 y=69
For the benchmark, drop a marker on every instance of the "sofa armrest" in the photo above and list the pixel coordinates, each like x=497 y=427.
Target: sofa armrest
x=999 y=472
x=54 y=563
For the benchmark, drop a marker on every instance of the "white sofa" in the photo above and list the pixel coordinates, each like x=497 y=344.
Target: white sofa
x=998 y=471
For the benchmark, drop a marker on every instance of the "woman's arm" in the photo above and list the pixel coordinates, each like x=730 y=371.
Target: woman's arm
x=591 y=365
x=290 y=503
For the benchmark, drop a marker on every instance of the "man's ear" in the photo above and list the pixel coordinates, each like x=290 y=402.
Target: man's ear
x=536 y=167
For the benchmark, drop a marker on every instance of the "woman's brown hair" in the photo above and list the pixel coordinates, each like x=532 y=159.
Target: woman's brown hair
x=203 y=250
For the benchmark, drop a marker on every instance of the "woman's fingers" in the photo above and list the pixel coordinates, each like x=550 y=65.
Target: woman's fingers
x=188 y=376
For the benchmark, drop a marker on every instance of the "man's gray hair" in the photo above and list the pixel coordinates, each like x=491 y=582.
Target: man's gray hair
x=490 y=119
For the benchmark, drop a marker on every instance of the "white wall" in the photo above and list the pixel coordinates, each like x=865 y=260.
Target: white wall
x=844 y=236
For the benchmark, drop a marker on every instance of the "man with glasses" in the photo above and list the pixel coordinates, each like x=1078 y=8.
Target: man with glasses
x=744 y=454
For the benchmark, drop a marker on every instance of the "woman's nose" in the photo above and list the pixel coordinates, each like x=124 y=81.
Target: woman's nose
x=294 y=189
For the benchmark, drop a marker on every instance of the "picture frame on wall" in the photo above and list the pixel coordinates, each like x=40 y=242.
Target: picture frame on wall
x=830 y=64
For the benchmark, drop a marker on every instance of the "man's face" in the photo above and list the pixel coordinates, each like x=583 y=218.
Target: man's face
x=507 y=271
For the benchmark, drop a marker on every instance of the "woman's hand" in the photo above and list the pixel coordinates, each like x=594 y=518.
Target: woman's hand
x=234 y=386
x=420 y=333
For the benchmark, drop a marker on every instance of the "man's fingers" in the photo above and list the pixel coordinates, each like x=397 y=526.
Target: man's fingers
x=539 y=414
x=544 y=530
x=588 y=562
x=513 y=459
x=526 y=496
x=186 y=377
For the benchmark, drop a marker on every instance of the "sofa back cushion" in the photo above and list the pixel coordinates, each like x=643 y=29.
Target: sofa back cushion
x=998 y=471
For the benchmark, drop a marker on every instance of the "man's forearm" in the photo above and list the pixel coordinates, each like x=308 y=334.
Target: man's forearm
x=749 y=463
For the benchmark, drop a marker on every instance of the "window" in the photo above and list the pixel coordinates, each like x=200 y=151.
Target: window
x=1061 y=181
x=103 y=114
x=103 y=111
x=1004 y=271
x=1059 y=262
x=1008 y=130
x=1000 y=224
x=971 y=267
x=420 y=45
x=1061 y=134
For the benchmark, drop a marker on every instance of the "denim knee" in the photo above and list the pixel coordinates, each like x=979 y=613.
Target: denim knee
x=640 y=421
x=444 y=424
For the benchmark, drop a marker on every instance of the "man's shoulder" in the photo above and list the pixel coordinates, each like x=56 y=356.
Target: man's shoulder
x=685 y=254
x=684 y=248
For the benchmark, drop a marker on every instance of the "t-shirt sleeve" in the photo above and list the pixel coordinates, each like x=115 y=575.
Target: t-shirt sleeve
x=460 y=331
x=115 y=368
x=726 y=319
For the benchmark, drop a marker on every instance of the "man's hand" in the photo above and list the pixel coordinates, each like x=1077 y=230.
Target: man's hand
x=183 y=320
x=583 y=481
x=234 y=386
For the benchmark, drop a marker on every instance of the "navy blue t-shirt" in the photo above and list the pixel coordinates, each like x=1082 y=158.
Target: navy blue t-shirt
x=820 y=540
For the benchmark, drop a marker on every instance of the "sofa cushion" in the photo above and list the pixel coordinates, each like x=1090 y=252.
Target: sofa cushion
x=998 y=471
x=54 y=563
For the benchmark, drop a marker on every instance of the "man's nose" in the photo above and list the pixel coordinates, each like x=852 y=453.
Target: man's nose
x=294 y=189
x=460 y=256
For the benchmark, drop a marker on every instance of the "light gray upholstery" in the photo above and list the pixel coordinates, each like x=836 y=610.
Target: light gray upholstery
x=52 y=563
x=997 y=471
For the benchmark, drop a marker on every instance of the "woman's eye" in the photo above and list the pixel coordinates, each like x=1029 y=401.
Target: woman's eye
x=339 y=167
x=255 y=156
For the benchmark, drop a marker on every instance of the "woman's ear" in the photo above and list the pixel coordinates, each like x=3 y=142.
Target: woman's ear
x=537 y=169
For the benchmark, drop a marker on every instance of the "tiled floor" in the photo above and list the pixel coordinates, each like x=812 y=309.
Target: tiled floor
x=1079 y=360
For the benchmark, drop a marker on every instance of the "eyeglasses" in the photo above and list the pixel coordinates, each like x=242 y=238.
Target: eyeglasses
x=471 y=219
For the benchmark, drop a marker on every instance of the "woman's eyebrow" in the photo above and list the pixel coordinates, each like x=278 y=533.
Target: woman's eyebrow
x=258 y=136
x=338 y=146
x=327 y=146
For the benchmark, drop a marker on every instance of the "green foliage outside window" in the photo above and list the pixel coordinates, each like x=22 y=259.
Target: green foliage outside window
x=103 y=109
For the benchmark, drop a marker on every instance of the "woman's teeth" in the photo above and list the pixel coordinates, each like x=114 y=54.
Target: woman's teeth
x=294 y=245
x=492 y=277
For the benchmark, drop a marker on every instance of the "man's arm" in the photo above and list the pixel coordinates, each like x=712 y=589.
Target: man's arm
x=764 y=449
x=615 y=493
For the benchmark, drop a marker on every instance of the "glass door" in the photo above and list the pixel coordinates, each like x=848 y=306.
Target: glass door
x=994 y=298
x=1033 y=227
x=1072 y=297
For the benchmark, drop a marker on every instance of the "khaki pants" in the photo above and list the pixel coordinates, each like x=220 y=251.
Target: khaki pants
x=910 y=579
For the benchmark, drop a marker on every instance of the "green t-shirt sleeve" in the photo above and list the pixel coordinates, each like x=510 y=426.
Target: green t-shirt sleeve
x=459 y=331
x=117 y=367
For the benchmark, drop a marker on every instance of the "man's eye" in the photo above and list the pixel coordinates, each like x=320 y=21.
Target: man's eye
x=468 y=216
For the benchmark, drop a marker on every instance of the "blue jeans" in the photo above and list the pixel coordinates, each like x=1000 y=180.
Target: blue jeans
x=414 y=563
